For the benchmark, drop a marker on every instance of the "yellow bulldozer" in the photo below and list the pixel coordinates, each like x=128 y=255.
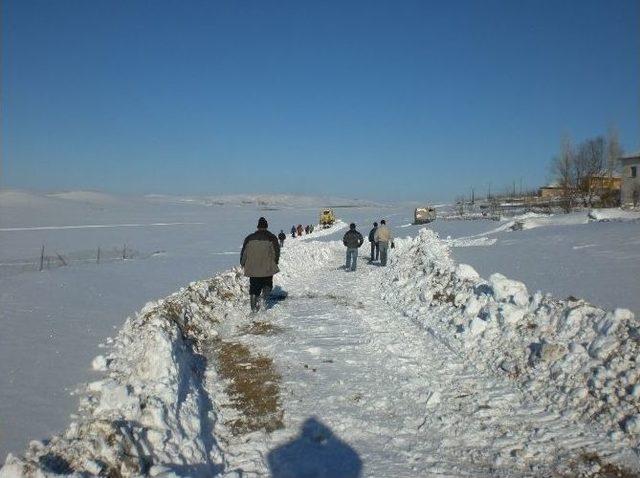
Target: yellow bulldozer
x=327 y=218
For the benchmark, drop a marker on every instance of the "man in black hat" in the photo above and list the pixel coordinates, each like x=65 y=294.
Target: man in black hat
x=260 y=256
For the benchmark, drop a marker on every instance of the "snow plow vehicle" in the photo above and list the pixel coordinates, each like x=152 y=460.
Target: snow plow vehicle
x=327 y=218
x=424 y=215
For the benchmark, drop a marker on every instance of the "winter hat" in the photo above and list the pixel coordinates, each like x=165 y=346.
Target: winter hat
x=262 y=223
x=375 y=224
x=352 y=226
x=383 y=222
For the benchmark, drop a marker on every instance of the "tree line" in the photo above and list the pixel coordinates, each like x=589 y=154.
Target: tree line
x=576 y=166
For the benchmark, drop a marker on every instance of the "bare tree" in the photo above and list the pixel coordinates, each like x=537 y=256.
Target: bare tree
x=563 y=171
x=614 y=151
x=589 y=164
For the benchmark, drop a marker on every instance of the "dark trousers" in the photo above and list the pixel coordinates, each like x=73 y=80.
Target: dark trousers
x=256 y=284
x=375 y=250
x=384 y=249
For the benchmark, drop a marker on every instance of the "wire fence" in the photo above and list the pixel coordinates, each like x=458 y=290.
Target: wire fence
x=52 y=259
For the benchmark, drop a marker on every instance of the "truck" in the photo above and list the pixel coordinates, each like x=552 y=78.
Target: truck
x=327 y=218
x=424 y=215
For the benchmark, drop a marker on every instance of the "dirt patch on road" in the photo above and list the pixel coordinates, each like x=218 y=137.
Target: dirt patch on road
x=260 y=327
x=590 y=465
x=338 y=299
x=254 y=388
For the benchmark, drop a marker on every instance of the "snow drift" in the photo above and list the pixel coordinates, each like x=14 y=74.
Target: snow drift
x=580 y=359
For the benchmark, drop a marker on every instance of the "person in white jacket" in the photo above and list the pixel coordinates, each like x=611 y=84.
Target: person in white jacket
x=384 y=238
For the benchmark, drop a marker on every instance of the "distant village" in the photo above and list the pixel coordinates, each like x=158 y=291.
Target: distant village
x=592 y=174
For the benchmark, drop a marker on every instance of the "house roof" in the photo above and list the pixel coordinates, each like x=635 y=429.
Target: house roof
x=635 y=155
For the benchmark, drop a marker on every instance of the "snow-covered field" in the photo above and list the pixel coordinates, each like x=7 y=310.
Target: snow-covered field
x=420 y=368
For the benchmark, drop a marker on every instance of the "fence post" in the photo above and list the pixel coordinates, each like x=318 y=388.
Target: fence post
x=124 y=252
x=42 y=257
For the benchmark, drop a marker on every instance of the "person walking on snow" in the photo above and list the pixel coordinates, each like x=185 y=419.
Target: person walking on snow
x=259 y=257
x=293 y=231
x=353 y=240
x=299 y=230
x=383 y=238
x=281 y=237
x=375 y=249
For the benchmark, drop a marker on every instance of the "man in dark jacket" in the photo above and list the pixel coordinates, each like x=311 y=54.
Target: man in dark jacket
x=374 y=245
x=353 y=240
x=281 y=237
x=260 y=256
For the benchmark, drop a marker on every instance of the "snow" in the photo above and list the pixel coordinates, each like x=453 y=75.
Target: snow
x=93 y=197
x=551 y=346
x=374 y=379
x=263 y=200
x=420 y=368
x=614 y=215
x=52 y=322
x=598 y=261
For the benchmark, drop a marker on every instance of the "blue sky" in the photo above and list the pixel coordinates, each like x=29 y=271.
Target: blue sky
x=404 y=100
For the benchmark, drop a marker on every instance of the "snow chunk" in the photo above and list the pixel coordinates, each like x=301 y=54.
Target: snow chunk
x=465 y=271
x=477 y=326
x=99 y=363
x=505 y=290
x=632 y=424
x=511 y=314
x=472 y=307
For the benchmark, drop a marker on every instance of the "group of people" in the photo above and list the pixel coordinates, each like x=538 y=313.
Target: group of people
x=260 y=255
x=295 y=231
x=300 y=230
x=380 y=238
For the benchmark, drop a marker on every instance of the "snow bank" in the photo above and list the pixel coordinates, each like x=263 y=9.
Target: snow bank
x=582 y=360
x=320 y=232
x=534 y=220
x=615 y=214
x=150 y=414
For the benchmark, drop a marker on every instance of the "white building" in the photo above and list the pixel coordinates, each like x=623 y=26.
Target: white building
x=630 y=191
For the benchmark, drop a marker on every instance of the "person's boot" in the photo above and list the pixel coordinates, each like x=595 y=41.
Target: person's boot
x=266 y=293
x=254 y=303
